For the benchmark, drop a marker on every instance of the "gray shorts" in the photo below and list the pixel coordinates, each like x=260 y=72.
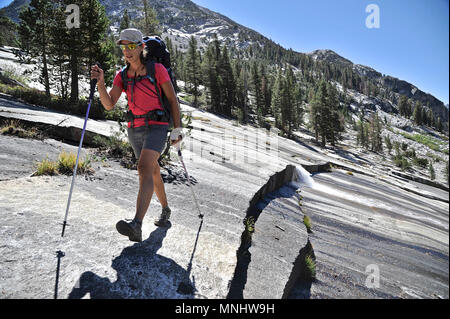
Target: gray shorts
x=152 y=137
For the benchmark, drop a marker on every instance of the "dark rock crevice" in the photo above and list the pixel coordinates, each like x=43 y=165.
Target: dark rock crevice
x=67 y=134
x=261 y=200
x=301 y=276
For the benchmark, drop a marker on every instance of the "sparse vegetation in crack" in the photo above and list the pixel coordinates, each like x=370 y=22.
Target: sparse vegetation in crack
x=46 y=167
x=243 y=256
x=15 y=128
x=303 y=272
x=307 y=223
x=249 y=223
x=306 y=218
x=64 y=165
x=310 y=268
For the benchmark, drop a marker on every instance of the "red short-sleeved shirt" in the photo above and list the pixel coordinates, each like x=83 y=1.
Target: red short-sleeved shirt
x=144 y=97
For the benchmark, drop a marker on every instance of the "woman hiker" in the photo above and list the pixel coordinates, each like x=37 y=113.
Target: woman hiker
x=146 y=135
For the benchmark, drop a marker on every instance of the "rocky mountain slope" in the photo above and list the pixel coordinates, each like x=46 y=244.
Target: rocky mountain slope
x=386 y=82
x=368 y=216
x=367 y=219
x=182 y=18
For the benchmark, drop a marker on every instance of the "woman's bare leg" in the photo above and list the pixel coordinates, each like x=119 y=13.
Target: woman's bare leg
x=159 y=186
x=146 y=168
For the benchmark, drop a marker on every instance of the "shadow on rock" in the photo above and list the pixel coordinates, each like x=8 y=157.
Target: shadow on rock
x=141 y=273
x=243 y=255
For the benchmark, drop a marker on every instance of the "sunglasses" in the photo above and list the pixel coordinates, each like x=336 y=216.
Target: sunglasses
x=130 y=46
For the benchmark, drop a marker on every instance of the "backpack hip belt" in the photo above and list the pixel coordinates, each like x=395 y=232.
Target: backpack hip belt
x=155 y=115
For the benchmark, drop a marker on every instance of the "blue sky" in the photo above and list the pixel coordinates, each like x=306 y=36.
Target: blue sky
x=4 y=3
x=410 y=44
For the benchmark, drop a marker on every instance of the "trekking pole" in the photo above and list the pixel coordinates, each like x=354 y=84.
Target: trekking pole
x=180 y=156
x=91 y=97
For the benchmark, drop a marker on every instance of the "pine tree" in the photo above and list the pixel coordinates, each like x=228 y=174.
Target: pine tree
x=366 y=135
x=59 y=48
x=409 y=108
x=424 y=116
x=362 y=138
x=298 y=105
x=446 y=172
x=276 y=103
x=193 y=76
x=388 y=143
x=125 y=22
x=319 y=112
x=417 y=114
x=432 y=172
x=97 y=48
x=265 y=90
x=35 y=23
x=334 y=120
x=8 y=31
x=287 y=100
x=430 y=117
x=211 y=76
x=439 y=125
x=256 y=88
x=87 y=44
x=149 y=24
x=228 y=88
x=403 y=105
x=376 y=144
x=242 y=93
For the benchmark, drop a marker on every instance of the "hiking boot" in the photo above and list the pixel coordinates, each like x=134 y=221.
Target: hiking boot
x=131 y=229
x=163 y=219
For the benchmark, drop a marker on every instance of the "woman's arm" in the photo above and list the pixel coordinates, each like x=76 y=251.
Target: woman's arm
x=176 y=135
x=108 y=99
x=173 y=101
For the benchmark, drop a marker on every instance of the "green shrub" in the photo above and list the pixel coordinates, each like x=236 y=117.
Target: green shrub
x=388 y=143
x=422 y=162
x=397 y=148
x=426 y=140
x=432 y=172
x=401 y=162
x=116 y=114
x=249 y=223
x=66 y=164
x=97 y=111
x=15 y=128
x=10 y=72
x=435 y=158
x=404 y=147
x=446 y=172
x=114 y=146
x=410 y=153
x=310 y=267
x=46 y=167
x=307 y=222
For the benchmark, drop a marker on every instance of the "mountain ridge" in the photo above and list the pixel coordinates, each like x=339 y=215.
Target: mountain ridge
x=184 y=17
x=400 y=86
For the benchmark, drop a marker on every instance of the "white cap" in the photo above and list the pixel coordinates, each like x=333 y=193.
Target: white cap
x=131 y=34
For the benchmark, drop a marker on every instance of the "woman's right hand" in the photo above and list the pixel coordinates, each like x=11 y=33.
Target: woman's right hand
x=97 y=73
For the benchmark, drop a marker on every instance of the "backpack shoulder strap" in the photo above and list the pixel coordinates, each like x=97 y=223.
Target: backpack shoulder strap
x=152 y=77
x=151 y=71
x=124 y=75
